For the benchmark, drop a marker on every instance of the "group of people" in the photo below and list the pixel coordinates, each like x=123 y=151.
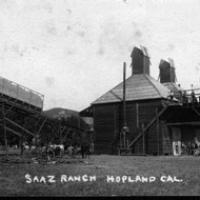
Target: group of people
x=191 y=98
x=55 y=150
x=191 y=148
x=85 y=149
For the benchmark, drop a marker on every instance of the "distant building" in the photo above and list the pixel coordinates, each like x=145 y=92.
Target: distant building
x=154 y=105
x=144 y=96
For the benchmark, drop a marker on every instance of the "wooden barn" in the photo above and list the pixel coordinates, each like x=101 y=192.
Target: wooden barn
x=153 y=111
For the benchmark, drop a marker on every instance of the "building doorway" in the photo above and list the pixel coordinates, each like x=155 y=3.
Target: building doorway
x=176 y=141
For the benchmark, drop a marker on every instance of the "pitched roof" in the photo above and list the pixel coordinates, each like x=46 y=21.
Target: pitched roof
x=138 y=87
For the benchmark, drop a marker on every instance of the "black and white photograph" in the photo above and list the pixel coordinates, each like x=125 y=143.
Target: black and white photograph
x=99 y=98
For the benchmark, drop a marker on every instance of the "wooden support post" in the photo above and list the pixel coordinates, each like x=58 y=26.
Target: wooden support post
x=148 y=126
x=157 y=131
x=59 y=130
x=19 y=126
x=120 y=145
x=14 y=132
x=115 y=129
x=124 y=139
x=143 y=139
x=4 y=130
x=22 y=141
x=137 y=115
x=21 y=145
x=42 y=125
x=124 y=94
x=79 y=130
x=124 y=136
x=79 y=122
x=60 y=133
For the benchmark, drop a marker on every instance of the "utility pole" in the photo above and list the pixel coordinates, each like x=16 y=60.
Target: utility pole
x=124 y=130
x=124 y=95
x=143 y=138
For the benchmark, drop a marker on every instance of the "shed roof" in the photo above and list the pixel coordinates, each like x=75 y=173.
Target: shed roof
x=138 y=87
x=173 y=87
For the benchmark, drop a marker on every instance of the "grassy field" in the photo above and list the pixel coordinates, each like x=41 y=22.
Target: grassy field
x=13 y=181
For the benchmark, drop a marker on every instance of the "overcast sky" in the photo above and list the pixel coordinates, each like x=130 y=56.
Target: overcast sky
x=72 y=51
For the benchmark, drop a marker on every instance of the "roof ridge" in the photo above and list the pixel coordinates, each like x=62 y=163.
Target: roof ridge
x=156 y=90
x=151 y=82
x=111 y=89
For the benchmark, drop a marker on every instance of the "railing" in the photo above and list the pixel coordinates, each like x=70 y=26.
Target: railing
x=21 y=93
x=190 y=96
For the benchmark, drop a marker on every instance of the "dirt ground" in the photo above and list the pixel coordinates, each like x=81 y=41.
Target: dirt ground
x=103 y=175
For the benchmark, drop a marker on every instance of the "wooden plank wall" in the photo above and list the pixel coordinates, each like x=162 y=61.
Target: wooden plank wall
x=166 y=139
x=138 y=147
x=147 y=111
x=131 y=116
x=104 y=126
x=108 y=121
x=187 y=134
x=154 y=143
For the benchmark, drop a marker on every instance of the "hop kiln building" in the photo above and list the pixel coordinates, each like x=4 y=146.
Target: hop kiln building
x=150 y=105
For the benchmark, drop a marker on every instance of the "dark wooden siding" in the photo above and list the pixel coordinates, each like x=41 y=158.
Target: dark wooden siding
x=108 y=121
x=138 y=147
x=147 y=111
x=166 y=139
x=187 y=134
x=154 y=141
x=131 y=117
x=104 y=126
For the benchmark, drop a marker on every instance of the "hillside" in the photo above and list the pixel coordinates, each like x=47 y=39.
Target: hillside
x=56 y=112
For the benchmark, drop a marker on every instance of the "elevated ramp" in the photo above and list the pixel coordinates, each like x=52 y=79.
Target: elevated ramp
x=13 y=93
